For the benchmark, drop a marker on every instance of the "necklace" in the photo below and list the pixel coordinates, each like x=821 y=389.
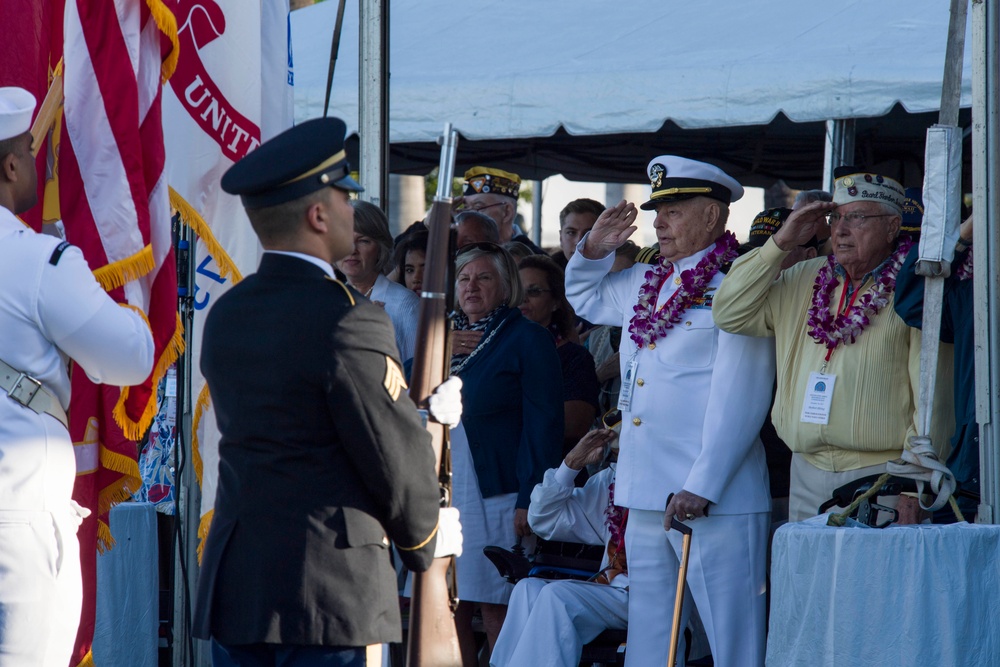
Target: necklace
x=832 y=329
x=649 y=324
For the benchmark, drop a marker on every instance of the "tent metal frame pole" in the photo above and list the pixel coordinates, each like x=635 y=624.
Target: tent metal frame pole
x=986 y=247
x=838 y=149
x=373 y=101
x=536 y=213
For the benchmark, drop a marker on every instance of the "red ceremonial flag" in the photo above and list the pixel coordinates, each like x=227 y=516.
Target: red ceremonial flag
x=115 y=205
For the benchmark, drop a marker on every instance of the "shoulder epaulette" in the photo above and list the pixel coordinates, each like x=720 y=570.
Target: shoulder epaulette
x=57 y=253
x=350 y=297
x=648 y=255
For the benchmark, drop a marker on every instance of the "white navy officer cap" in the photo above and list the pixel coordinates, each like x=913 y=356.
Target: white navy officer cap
x=675 y=178
x=297 y=162
x=16 y=108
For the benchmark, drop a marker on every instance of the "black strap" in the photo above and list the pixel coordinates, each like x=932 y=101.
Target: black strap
x=57 y=253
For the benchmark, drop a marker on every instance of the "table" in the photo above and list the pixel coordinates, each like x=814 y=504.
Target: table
x=905 y=595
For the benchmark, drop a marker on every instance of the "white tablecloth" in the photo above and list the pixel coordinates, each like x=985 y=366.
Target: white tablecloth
x=906 y=595
x=128 y=609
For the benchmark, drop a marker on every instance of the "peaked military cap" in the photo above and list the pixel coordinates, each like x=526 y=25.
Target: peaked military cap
x=674 y=178
x=485 y=180
x=297 y=162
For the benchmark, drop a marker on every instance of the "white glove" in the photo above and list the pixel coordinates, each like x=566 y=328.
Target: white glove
x=445 y=404
x=449 y=535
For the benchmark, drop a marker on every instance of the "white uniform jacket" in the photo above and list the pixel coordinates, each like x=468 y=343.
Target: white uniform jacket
x=561 y=511
x=51 y=308
x=699 y=399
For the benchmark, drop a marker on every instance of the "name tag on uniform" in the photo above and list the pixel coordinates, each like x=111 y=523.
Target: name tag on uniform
x=628 y=384
x=819 y=395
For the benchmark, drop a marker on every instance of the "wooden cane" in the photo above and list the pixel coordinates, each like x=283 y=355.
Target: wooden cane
x=675 y=632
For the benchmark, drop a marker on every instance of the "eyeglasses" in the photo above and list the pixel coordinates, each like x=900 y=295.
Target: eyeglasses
x=534 y=292
x=853 y=220
x=482 y=207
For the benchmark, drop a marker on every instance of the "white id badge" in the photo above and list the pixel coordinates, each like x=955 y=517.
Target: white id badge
x=628 y=384
x=819 y=394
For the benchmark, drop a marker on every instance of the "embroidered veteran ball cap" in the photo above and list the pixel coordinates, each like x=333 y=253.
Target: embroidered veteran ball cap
x=297 y=162
x=913 y=213
x=16 y=107
x=674 y=178
x=853 y=184
x=485 y=180
x=766 y=224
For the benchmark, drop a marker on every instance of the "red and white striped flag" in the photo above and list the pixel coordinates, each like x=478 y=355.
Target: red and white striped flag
x=115 y=206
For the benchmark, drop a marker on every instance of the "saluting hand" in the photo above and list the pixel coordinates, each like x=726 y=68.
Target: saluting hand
x=802 y=224
x=611 y=230
x=590 y=449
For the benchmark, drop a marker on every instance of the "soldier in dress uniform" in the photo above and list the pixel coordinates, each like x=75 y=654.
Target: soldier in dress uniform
x=692 y=399
x=51 y=308
x=323 y=457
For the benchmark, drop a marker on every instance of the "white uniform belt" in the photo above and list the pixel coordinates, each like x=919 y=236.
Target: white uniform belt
x=29 y=392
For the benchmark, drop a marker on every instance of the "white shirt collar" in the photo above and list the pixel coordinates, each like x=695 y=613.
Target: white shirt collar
x=309 y=258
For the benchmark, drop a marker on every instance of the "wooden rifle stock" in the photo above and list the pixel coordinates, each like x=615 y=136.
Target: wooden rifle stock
x=433 y=639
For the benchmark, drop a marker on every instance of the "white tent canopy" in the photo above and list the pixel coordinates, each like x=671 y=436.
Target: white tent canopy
x=518 y=69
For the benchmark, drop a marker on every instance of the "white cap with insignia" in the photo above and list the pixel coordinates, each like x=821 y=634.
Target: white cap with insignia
x=674 y=178
x=16 y=107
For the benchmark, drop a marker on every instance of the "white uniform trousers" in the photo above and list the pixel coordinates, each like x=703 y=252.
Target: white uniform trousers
x=41 y=589
x=548 y=622
x=726 y=578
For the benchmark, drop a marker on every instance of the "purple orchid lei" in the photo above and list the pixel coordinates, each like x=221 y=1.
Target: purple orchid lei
x=831 y=329
x=964 y=271
x=649 y=324
x=614 y=517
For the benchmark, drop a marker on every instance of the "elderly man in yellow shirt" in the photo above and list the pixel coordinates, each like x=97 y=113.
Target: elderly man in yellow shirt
x=848 y=367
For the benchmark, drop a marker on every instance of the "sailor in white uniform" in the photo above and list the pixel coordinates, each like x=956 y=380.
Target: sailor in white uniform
x=51 y=309
x=548 y=622
x=693 y=400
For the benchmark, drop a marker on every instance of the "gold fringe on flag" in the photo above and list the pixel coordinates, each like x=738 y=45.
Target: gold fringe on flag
x=134 y=430
x=167 y=23
x=204 y=399
x=203 y=526
x=120 y=491
x=126 y=270
x=191 y=218
x=88 y=660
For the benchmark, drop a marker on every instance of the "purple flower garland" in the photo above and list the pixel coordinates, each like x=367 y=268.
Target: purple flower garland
x=614 y=517
x=649 y=324
x=964 y=271
x=831 y=329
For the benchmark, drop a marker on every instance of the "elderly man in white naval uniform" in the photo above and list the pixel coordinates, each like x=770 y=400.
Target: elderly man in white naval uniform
x=693 y=400
x=51 y=308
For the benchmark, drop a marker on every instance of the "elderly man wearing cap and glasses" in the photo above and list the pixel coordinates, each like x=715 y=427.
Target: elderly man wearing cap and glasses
x=849 y=370
x=51 y=308
x=323 y=458
x=693 y=400
x=493 y=192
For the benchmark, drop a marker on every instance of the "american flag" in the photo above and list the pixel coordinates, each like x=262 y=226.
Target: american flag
x=114 y=202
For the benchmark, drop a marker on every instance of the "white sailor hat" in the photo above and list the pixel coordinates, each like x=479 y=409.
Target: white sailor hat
x=16 y=107
x=674 y=178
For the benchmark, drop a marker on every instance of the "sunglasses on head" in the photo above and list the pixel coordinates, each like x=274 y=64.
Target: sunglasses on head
x=485 y=246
